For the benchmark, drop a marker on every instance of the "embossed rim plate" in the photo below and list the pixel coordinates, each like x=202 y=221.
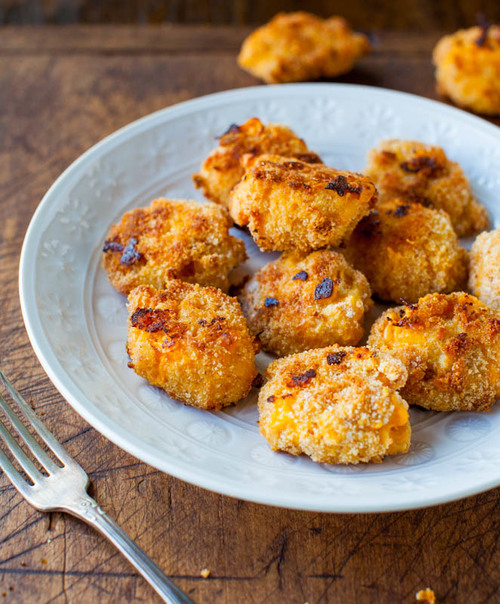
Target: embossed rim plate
x=76 y=322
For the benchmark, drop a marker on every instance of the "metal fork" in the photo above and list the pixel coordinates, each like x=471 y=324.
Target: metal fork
x=65 y=489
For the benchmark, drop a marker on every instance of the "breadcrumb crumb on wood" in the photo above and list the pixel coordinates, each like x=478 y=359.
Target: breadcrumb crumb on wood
x=205 y=573
x=426 y=595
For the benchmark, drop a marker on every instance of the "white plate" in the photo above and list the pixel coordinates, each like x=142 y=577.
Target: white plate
x=77 y=322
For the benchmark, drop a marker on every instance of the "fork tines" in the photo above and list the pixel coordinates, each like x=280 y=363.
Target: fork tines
x=17 y=452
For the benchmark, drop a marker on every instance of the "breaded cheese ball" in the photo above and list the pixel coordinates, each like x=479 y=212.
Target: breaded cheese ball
x=303 y=301
x=337 y=405
x=223 y=168
x=172 y=239
x=484 y=278
x=289 y=204
x=191 y=341
x=295 y=47
x=406 y=251
x=416 y=172
x=468 y=68
x=450 y=344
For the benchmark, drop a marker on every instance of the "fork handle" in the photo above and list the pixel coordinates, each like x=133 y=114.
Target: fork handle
x=88 y=510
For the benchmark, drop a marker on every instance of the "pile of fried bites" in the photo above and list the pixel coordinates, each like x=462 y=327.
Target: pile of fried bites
x=391 y=233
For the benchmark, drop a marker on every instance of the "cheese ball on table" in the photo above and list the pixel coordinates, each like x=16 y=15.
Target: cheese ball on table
x=484 y=279
x=303 y=301
x=337 y=405
x=172 y=239
x=191 y=341
x=289 y=204
x=223 y=168
x=416 y=172
x=295 y=47
x=406 y=251
x=468 y=68
x=450 y=344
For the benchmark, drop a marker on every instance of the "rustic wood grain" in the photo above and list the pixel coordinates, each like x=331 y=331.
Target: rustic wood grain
x=364 y=14
x=60 y=92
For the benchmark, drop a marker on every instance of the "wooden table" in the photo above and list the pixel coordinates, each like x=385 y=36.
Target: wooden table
x=61 y=91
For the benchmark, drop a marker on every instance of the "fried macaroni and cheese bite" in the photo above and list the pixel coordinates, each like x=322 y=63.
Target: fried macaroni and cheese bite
x=468 y=68
x=289 y=204
x=303 y=301
x=406 y=251
x=450 y=344
x=484 y=278
x=172 y=239
x=191 y=341
x=296 y=47
x=223 y=168
x=337 y=405
x=416 y=172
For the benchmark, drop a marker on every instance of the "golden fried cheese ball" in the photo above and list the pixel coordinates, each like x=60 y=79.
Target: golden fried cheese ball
x=295 y=47
x=191 y=341
x=406 y=251
x=422 y=173
x=289 y=204
x=172 y=239
x=337 y=405
x=484 y=278
x=450 y=344
x=223 y=168
x=468 y=68
x=303 y=301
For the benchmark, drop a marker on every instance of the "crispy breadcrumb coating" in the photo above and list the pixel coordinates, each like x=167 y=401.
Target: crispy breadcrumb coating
x=191 y=341
x=450 y=344
x=484 y=279
x=296 y=47
x=172 y=239
x=426 y=595
x=416 y=172
x=406 y=251
x=223 y=168
x=303 y=301
x=337 y=405
x=468 y=68
x=289 y=204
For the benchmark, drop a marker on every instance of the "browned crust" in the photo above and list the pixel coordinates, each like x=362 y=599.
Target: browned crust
x=346 y=411
x=289 y=204
x=407 y=250
x=172 y=239
x=287 y=303
x=191 y=341
x=419 y=173
x=468 y=68
x=299 y=46
x=223 y=168
x=451 y=347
